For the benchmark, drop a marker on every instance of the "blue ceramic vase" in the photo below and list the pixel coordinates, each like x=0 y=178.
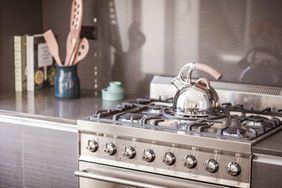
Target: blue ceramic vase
x=67 y=82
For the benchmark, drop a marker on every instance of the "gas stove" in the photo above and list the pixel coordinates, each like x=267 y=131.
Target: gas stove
x=226 y=122
x=146 y=135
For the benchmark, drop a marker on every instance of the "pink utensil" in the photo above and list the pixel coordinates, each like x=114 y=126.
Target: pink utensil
x=76 y=15
x=74 y=34
x=52 y=45
x=82 y=51
x=72 y=41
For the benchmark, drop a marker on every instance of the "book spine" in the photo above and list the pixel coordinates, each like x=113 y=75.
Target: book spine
x=24 y=74
x=30 y=62
x=23 y=57
x=18 y=63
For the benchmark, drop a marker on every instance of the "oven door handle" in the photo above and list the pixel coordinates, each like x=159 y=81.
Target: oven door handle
x=110 y=179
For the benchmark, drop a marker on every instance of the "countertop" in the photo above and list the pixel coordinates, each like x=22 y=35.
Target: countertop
x=270 y=146
x=43 y=105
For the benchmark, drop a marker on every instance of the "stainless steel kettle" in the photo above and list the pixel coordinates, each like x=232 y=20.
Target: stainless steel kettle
x=194 y=98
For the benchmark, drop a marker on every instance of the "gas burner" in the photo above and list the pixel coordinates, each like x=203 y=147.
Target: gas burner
x=131 y=117
x=233 y=131
x=234 y=128
x=255 y=121
x=240 y=132
x=213 y=114
x=261 y=124
x=200 y=127
x=153 y=110
x=171 y=114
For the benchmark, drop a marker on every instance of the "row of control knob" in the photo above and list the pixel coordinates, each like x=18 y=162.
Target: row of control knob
x=233 y=168
x=169 y=158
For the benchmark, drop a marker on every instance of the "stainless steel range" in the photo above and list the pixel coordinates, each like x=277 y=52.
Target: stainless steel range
x=152 y=143
x=146 y=135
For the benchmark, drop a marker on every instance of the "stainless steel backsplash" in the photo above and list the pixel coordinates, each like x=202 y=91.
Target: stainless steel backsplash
x=142 y=38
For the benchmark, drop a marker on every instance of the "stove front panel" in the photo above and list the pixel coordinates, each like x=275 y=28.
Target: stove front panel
x=177 y=160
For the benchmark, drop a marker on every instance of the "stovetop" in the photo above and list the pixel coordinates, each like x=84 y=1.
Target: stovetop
x=227 y=122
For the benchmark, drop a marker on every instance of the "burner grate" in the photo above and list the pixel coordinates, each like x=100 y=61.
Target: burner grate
x=233 y=122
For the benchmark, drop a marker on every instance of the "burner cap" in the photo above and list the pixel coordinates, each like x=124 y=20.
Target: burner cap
x=255 y=121
x=233 y=131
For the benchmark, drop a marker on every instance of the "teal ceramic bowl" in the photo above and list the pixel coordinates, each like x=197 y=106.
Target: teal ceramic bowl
x=114 y=92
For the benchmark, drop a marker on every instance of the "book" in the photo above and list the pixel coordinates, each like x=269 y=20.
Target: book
x=20 y=62
x=40 y=64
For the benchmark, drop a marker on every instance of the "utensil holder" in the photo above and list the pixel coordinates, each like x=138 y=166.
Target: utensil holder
x=67 y=83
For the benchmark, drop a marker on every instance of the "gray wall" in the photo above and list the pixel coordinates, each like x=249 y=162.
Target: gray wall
x=140 y=38
x=16 y=18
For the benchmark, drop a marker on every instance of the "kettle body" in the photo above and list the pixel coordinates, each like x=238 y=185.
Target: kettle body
x=194 y=98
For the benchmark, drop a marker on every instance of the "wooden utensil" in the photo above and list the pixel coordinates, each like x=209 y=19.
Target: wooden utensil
x=76 y=15
x=75 y=27
x=82 y=50
x=72 y=41
x=52 y=45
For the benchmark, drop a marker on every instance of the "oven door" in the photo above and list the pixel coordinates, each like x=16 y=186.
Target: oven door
x=95 y=175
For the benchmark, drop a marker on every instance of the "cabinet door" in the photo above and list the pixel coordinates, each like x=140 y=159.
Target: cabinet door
x=11 y=162
x=267 y=174
x=49 y=158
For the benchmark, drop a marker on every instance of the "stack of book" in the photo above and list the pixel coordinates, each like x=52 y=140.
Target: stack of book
x=34 y=65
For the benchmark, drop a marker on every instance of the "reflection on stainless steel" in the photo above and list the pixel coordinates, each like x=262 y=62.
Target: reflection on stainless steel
x=43 y=103
x=256 y=62
x=19 y=100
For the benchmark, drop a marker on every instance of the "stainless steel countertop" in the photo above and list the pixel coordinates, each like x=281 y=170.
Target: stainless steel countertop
x=270 y=146
x=42 y=104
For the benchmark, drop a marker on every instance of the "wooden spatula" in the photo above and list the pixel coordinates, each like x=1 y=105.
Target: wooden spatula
x=52 y=45
x=72 y=41
x=82 y=50
x=75 y=27
x=76 y=15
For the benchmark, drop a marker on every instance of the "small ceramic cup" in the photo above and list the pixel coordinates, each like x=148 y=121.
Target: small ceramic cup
x=114 y=92
x=67 y=82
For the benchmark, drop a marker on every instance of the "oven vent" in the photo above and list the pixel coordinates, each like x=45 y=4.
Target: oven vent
x=248 y=88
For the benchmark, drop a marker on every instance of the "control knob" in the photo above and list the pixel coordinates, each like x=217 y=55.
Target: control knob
x=169 y=158
x=190 y=161
x=233 y=168
x=92 y=145
x=148 y=155
x=129 y=152
x=211 y=165
x=110 y=148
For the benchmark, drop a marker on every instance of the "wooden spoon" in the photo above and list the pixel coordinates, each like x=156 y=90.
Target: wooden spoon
x=82 y=50
x=74 y=34
x=76 y=15
x=72 y=41
x=52 y=45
